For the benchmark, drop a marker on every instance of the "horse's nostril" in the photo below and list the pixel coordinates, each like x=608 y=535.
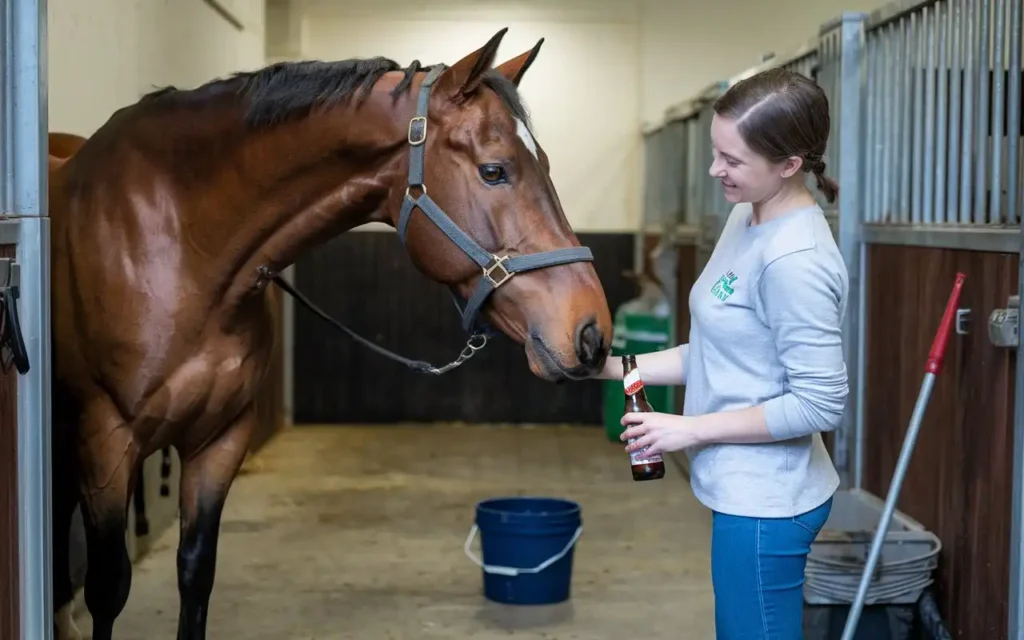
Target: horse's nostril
x=589 y=343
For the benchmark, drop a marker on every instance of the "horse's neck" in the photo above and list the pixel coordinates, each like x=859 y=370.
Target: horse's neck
x=299 y=185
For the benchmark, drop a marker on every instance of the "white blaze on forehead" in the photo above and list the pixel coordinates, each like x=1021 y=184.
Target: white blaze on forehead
x=526 y=137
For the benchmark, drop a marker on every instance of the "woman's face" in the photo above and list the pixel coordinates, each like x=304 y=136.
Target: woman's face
x=745 y=175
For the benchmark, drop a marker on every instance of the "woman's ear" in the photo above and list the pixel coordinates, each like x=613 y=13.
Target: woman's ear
x=791 y=166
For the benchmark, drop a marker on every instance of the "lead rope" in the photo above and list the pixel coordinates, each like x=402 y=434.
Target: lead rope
x=476 y=342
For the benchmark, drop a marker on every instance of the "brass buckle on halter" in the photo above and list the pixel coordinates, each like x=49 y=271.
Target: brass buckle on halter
x=499 y=263
x=421 y=130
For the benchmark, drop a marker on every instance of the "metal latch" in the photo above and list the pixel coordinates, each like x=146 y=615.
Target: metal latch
x=12 y=342
x=963 y=321
x=1003 y=324
x=10 y=274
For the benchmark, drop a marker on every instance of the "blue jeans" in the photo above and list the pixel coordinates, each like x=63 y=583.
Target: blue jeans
x=757 y=567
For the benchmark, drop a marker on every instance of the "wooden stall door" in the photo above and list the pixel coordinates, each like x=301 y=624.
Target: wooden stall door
x=958 y=484
x=10 y=586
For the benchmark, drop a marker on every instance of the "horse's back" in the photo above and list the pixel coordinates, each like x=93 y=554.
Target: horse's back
x=64 y=145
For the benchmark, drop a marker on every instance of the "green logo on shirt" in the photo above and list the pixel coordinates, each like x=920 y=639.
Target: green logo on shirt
x=722 y=289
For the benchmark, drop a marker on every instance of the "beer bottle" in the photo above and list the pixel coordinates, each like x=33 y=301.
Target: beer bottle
x=645 y=467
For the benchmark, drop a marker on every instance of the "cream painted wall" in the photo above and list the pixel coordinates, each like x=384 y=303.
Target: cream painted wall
x=583 y=91
x=104 y=54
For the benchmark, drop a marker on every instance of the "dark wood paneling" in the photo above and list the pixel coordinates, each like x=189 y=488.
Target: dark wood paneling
x=270 y=396
x=10 y=591
x=686 y=275
x=958 y=482
x=367 y=281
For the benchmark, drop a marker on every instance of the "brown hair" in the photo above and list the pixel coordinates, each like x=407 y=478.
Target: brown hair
x=781 y=114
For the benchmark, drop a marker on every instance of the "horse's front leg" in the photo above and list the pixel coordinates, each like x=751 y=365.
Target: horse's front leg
x=109 y=464
x=206 y=477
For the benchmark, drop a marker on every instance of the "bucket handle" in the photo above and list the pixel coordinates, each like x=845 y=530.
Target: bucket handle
x=512 y=571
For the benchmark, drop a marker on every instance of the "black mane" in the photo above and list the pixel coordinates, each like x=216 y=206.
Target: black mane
x=287 y=90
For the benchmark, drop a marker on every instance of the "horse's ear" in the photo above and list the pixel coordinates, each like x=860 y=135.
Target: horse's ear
x=516 y=67
x=464 y=76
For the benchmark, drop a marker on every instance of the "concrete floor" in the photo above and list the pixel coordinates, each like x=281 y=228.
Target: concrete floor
x=357 y=533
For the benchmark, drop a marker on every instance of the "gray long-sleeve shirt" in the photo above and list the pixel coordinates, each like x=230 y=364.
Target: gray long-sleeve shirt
x=765 y=327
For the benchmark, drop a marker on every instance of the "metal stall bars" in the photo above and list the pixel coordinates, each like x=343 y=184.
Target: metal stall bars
x=942 y=164
x=680 y=219
x=652 y=329
x=840 y=61
x=668 y=156
x=942 y=172
x=24 y=234
x=938 y=171
x=650 y=216
x=709 y=205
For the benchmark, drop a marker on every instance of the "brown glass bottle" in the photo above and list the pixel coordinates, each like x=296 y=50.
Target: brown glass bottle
x=645 y=467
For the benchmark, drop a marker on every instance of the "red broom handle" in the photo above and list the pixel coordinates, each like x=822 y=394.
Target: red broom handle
x=938 y=351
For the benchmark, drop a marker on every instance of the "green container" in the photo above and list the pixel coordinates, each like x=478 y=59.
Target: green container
x=637 y=329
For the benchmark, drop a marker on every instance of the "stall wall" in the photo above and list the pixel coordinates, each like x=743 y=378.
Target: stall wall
x=10 y=580
x=958 y=484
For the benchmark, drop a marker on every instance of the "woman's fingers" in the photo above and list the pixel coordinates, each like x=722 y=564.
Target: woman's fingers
x=640 y=443
x=653 y=449
x=632 y=418
x=633 y=432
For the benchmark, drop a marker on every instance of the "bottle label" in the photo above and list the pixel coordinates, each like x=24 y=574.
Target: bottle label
x=632 y=382
x=640 y=458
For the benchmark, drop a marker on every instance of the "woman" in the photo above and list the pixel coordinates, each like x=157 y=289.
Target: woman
x=763 y=369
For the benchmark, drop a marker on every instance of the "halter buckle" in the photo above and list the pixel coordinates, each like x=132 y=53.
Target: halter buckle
x=417 y=131
x=498 y=264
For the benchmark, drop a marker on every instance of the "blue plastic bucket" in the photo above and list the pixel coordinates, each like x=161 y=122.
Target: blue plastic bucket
x=527 y=546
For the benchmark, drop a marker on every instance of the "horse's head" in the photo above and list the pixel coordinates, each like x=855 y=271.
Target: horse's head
x=473 y=161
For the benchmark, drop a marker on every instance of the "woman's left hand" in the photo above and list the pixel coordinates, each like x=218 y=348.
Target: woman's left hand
x=662 y=431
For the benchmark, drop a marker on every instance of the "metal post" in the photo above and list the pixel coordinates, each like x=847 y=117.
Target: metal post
x=853 y=617
x=851 y=92
x=1015 y=604
x=23 y=200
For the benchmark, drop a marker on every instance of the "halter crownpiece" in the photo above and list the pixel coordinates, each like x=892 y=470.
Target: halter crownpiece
x=495 y=270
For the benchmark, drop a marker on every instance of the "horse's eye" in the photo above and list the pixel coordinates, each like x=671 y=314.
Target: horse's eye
x=492 y=173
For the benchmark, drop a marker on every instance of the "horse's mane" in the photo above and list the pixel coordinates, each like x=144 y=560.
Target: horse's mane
x=287 y=90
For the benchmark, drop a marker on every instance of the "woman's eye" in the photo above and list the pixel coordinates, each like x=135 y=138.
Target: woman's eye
x=492 y=173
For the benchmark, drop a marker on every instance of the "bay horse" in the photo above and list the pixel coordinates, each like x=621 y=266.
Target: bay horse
x=171 y=220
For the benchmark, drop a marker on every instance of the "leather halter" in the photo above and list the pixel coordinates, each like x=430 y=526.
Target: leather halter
x=495 y=269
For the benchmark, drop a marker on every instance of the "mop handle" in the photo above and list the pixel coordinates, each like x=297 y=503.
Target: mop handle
x=935 y=357
x=938 y=350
